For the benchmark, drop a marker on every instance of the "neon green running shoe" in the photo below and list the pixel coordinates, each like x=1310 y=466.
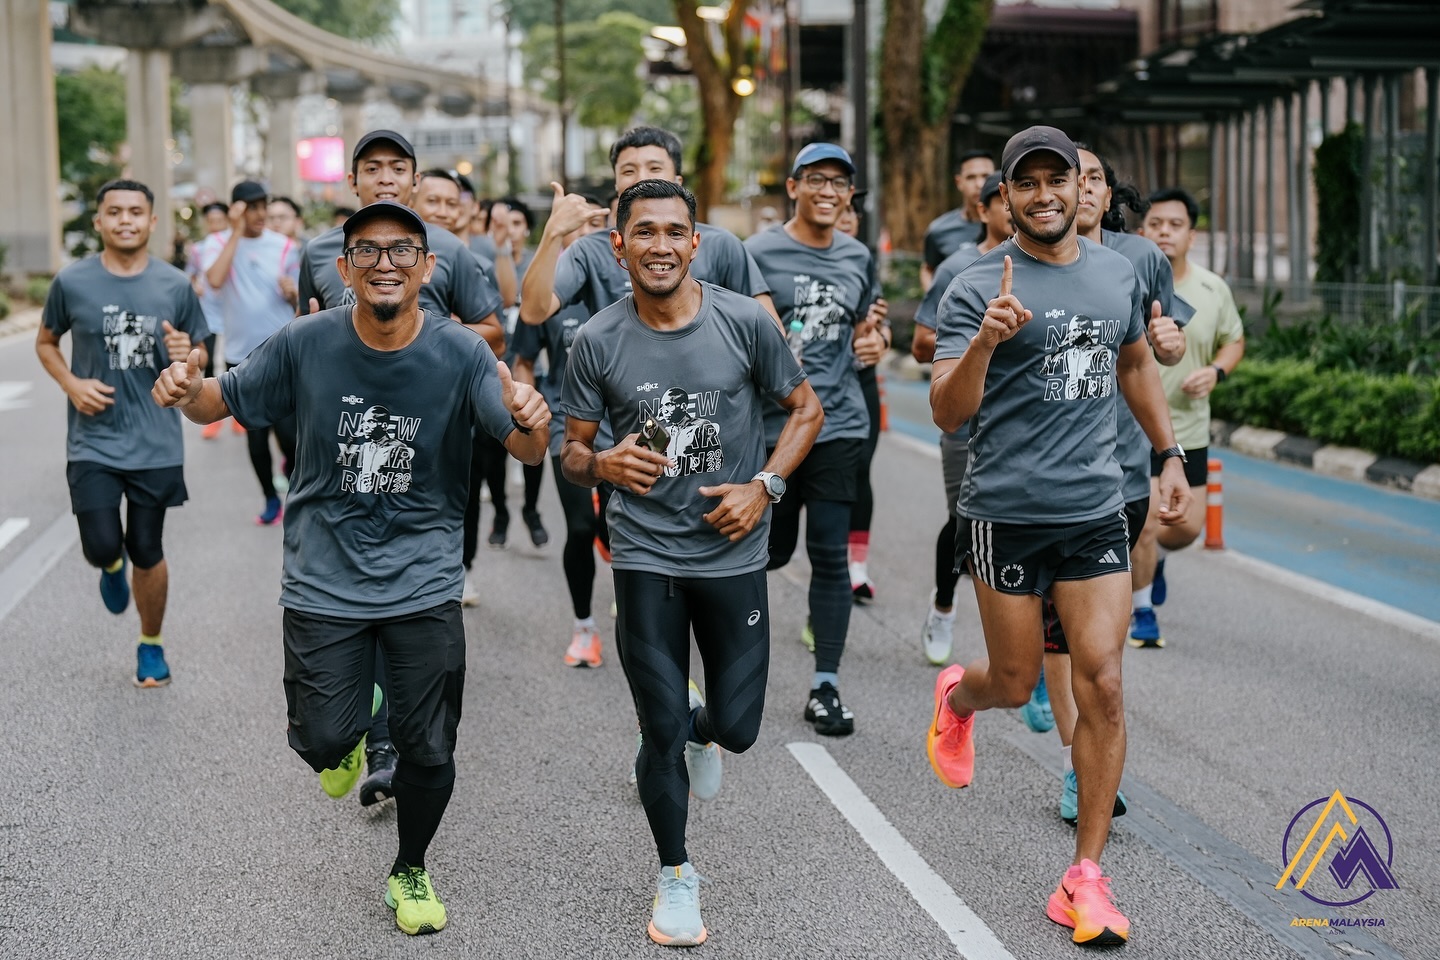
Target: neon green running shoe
x=411 y=895
x=807 y=637
x=341 y=779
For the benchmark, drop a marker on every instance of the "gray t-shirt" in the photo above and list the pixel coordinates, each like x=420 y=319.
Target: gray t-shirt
x=587 y=273
x=1043 y=448
x=945 y=234
x=706 y=383
x=964 y=255
x=820 y=294
x=118 y=337
x=374 y=516
x=1157 y=282
x=555 y=336
x=458 y=285
x=480 y=243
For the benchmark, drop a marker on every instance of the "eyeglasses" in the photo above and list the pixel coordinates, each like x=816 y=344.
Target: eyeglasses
x=402 y=255
x=817 y=181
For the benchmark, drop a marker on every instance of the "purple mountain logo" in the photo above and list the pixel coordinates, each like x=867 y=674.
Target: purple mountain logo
x=1354 y=853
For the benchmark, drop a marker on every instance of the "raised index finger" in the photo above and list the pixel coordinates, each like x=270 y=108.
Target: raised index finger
x=1006 y=278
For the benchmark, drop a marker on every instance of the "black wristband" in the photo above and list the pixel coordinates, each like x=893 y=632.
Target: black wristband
x=1220 y=373
x=524 y=430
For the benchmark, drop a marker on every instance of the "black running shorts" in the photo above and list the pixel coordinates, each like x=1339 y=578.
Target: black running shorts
x=95 y=486
x=828 y=472
x=1026 y=559
x=1197 y=466
x=1135 y=512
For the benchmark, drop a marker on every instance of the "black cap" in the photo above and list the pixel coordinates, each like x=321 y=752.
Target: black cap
x=1030 y=140
x=990 y=187
x=388 y=136
x=384 y=210
x=249 y=191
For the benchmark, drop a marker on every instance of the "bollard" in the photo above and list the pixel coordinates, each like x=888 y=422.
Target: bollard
x=1214 y=507
x=884 y=407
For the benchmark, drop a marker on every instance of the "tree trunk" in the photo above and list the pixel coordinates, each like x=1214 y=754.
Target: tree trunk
x=719 y=103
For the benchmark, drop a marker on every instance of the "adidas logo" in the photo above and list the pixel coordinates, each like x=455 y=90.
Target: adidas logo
x=1109 y=557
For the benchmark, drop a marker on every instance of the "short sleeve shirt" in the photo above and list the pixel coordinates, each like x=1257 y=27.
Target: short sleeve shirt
x=706 y=384
x=250 y=298
x=964 y=255
x=1043 y=446
x=383 y=444
x=820 y=294
x=945 y=234
x=555 y=336
x=117 y=335
x=1216 y=323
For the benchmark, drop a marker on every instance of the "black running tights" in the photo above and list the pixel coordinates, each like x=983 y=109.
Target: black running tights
x=946 y=576
x=827 y=539
x=582 y=526
x=258 y=439
x=101 y=536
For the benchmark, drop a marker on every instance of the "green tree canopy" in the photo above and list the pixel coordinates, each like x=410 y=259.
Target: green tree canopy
x=356 y=19
x=602 y=61
x=526 y=15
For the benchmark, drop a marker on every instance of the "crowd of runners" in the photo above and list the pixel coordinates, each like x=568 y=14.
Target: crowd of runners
x=692 y=393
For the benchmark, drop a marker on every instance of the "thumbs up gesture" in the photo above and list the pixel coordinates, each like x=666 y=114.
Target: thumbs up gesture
x=522 y=400
x=177 y=342
x=868 y=342
x=1166 y=338
x=180 y=383
x=1005 y=315
x=568 y=212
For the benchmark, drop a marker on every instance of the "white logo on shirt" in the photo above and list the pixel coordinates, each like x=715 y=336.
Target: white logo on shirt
x=694 y=438
x=1078 y=363
x=1052 y=314
x=374 y=451
x=130 y=339
x=647 y=387
x=352 y=399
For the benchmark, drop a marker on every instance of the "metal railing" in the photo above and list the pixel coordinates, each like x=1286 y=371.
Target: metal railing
x=1415 y=308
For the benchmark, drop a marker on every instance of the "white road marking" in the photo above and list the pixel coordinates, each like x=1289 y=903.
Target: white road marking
x=971 y=937
x=12 y=393
x=923 y=447
x=35 y=561
x=11 y=529
x=1383 y=612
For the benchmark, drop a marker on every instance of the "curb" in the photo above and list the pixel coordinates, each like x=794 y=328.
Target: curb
x=22 y=321
x=1348 y=463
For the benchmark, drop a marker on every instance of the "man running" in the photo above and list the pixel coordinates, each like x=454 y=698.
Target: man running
x=410 y=384
x=688 y=534
x=588 y=275
x=823 y=283
x=1037 y=366
x=1215 y=344
x=129 y=315
x=255 y=269
x=948 y=231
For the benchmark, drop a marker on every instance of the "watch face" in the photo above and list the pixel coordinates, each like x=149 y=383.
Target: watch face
x=775 y=485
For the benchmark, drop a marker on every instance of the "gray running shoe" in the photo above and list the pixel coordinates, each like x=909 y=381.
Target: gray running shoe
x=702 y=760
x=675 y=917
x=938 y=634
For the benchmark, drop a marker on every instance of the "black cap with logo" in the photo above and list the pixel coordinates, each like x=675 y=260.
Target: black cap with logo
x=387 y=136
x=1033 y=139
x=384 y=210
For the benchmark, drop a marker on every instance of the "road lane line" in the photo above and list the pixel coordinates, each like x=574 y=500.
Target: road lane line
x=1375 y=609
x=35 y=561
x=1221 y=865
x=971 y=937
x=11 y=529
x=926 y=448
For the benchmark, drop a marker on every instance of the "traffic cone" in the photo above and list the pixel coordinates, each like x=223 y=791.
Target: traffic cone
x=1214 y=507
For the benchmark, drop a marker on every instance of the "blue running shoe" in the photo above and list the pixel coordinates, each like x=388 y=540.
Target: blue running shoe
x=1158 y=593
x=1037 y=713
x=1070 y=800
x=272 y=513
x=114 y=589
x=1145 y=629
x=151 y=670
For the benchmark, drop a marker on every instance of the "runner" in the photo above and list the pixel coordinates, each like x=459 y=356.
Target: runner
x=1041 y=506
x=254 y=270
x=589 y=275
x=937 y=636
x=1215 y=344
x=129 y=315
x=283 y=215
x=406 y=386
x=213 y=215
x=688 y=525
x=946 y=232
x=823 y=284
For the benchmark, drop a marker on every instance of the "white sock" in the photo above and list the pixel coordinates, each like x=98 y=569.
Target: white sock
x=587 y=624
x=939 y=614
x=1065 y=759
x=1140 y=599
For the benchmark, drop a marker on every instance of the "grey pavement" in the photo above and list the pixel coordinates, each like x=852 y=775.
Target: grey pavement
x=177 y=823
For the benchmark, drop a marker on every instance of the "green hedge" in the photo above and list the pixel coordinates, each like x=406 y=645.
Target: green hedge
x=1394 y=415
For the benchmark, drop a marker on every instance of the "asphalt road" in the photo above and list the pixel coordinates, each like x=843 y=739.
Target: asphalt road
x=177 y=823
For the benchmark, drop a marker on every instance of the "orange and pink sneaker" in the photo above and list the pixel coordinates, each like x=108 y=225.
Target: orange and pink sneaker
x=949 y=743
x=584 y=649
x=1082 y=902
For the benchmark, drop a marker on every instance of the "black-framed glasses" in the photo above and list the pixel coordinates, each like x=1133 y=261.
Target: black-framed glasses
x=402 y=255
x=817 y=181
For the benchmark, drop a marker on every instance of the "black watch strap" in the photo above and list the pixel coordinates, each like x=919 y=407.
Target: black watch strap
x=524 y=430
x=1175 y=451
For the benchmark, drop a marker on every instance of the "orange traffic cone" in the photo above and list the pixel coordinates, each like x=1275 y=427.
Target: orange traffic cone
x=1214 y=508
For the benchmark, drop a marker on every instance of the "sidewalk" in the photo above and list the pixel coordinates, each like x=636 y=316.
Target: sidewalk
x=25 y=320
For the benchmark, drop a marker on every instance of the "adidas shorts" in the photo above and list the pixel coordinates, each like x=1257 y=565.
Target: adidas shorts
x=1023 y=559
x=1055 y=642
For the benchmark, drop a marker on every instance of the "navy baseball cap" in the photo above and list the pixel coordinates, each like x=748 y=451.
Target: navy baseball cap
x=248 y=190
x=1033 y=139
x=991 y=187
x=815 y=152
x=384 y=210
x=387 y=136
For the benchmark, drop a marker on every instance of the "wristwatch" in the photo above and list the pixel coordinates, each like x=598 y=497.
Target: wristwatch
x=774 y=485
x=1220 y=372
x=1175 y=451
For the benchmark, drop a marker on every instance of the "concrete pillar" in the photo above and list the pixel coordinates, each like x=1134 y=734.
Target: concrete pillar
x=212 y=125
x=29 y=149
x=148 y=135
x=281 y=161
x=352 y=123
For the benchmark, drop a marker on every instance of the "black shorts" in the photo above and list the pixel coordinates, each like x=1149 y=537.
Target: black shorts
x=1135 y=513
x=1197 y=466
x=330 y=675
x=828 y=472
x=1023 y=559
x=95 y=486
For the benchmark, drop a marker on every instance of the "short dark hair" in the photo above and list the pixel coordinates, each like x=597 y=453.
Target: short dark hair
x=1122 y=194
x=135 y=185
x=440 y=174
x=466 y=184
x=288 y=202
x=522 y=208
x=1176 y=193
x=969 y=155
x=649 y=137
x=216 y=205
x=652 y=190
x=594 y=200
x=344 y=212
